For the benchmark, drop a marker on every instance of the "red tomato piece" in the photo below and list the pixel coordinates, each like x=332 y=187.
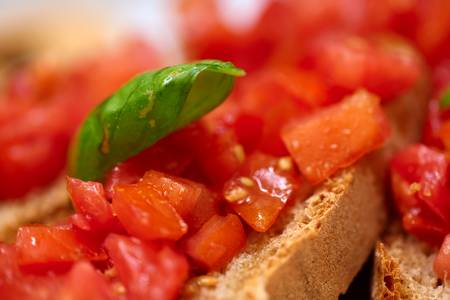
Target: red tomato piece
x=427 y=169
x=90 y=201
x=260 y=189
x=267 y=89
x=442 y=261
x=148 y=272
x=384 y=66
x=16 y=286
x=193 y=201
x=168 y=155
x=217 y=242
x=337 y=136
x=40 y=248
x=146 y=214
x=83 y=282
x=424 y=225
x=220 y=156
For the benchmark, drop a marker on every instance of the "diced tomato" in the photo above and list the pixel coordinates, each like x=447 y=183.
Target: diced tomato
x=41 y=248
x=384 y=66
x=433 y=124
x=147 y=271
x=442 y=261
x=217 y=242
x=425 y=225
x=16 y=286
x=220 y=156
x=83 y=282
x=42 y=107
x=267 y=89
x=337 y=136
x=90 y=201
x=260 y=189
x=162 y=157
x=193 y=201
x=404 y=194
x=427 y=168
x=146 y=214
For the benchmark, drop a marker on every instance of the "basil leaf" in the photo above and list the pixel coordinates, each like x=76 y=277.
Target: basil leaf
x=147 y=108
x=445 y=99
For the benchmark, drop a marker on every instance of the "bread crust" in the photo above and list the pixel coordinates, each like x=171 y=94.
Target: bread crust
x=403 y=269
x=317 y=247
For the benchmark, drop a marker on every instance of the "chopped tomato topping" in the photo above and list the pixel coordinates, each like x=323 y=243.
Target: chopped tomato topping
x=42 y=106
x=147 y=271
x=442 y=261
x=426 y=170
x=217 y=242
x=89 y=200
x=384 y=66
x=42 y=247
x=147 y=214
x=337 y=136
x=193 y=201
x=84 y=282
x=260 y=189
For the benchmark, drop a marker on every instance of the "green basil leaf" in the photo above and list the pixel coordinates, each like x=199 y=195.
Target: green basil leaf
x=445 y=99
x=147 y=108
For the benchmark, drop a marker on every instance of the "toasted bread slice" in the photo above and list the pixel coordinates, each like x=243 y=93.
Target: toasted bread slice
x=317 y=246
x=403 y=269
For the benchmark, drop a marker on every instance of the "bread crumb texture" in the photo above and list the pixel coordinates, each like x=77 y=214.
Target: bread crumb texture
x=403 y=269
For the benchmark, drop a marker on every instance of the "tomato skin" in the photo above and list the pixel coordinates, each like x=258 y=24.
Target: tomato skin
x=162 y=157
x=382 y=65
x=217 y=242
x=90 y=202
x=424 y=225
x=40 y=248
x=441 y=264
x=148 y=272
x=193 y=201
x=43 y=106
x=337 y=136
x=17 y=286
x=427 y=167
x=266 y=189
x=146 y=214
x=94 y=284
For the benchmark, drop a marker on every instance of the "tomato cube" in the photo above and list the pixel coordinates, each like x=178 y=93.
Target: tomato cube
x=147 y=271
x=41 y=247
x=261 y=188
x=337 y=136
x=89 y=201
x=442 y=261
x=94 y=284
x=193 y=201
x=384 y=66
x=427 y=170
x=166 y=156
x=217 y=242
x=146 y=214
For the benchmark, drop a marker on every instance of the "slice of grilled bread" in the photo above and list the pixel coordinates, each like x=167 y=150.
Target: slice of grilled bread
x=403 y=269
x=317 y=246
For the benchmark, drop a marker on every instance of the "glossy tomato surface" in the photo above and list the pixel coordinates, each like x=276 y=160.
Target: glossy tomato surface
x=260 y=189
x=337 y=136
x=41 y=248
x=147 y=271
x=217 y=242
x=146 y=214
